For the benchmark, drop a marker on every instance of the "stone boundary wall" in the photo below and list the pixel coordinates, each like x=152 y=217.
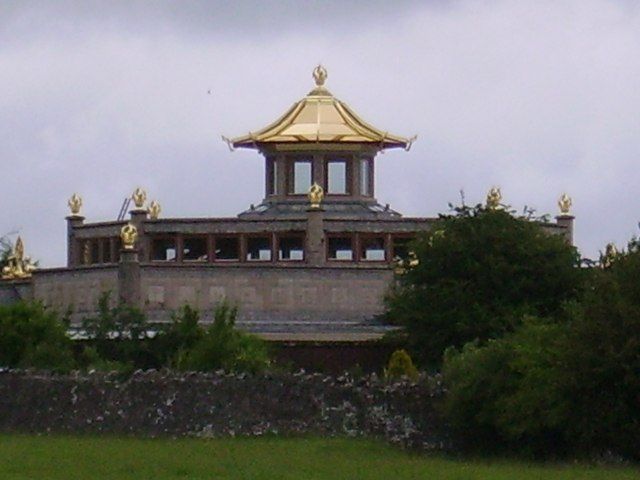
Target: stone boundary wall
x=151 y=404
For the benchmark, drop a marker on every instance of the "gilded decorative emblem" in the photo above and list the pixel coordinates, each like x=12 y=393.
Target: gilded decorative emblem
x=320 y=75
x=494 y=197
x=139 y=196
x=129 y=235
x=75 y=204
x=610 y=255
x=18 y=265
x=565 y=204
x=154 y=210
x=316 y=194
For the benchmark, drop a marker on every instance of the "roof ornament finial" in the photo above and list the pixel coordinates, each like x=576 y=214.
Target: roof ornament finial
x=565 y=204
x=320 y=75
x=316 y=194
x=18 y=265
x=494 y=197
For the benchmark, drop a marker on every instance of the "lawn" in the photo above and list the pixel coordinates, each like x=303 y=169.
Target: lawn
x=50 y=458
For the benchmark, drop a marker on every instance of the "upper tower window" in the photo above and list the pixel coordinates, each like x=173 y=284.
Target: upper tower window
x=336 y=177
x=302 y=177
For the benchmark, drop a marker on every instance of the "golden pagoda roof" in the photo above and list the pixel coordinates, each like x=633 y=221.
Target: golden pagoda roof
x=319 y=117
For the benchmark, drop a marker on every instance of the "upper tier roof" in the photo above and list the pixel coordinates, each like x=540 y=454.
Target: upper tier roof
x=320 y=117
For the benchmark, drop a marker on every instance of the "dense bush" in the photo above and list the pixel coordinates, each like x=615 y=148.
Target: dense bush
x=222 y=346
x=119 y=336
x=478 y=273
x=567 y=385
x=31 y=336
x=504 y=394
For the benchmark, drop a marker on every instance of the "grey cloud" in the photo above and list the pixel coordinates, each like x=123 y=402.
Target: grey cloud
x=539 y=98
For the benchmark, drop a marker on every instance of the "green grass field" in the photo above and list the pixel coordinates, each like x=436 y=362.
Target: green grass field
x=44 y=458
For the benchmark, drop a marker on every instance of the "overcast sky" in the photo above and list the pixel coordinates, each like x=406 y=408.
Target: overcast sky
x=538 y=97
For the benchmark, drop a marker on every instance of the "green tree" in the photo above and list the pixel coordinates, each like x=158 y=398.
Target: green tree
x=32 y=336
x=479 y=272
x=571 y=384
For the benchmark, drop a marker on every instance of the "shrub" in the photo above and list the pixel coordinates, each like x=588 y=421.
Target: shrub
x=121 y=334
x=179 y=337
x=400 y=365
x=223 y=347
x=31 y=336
x=505 y=394
x=571 y=385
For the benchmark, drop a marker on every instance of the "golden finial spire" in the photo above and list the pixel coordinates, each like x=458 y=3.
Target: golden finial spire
x=139 y=196
x=565 y=203
x=18 y=266
x=494 y=197
x=154 y=210
x=129 y=235
x=316 y=194
x=75 y=204
x=320 y=75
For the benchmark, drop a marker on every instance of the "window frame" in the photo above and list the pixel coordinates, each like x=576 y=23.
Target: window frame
x=214 y=244
x=291 y=175
x=280 y=236
x=348 y=177
x=353 y=241
x=152 y=248
x=248 y=238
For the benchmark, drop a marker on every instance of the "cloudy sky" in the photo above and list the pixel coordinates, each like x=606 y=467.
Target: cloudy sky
x=100 y=97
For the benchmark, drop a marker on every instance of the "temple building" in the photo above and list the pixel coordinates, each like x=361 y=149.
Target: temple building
x=310 y=263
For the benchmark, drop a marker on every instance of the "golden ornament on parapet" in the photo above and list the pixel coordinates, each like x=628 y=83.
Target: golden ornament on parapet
x=154 y=210
x=139 y=196
x=18 y=265
x=316 y=194
x=129 y=235
x=610 y=255
x=494 y=197
x=75 y=204
x=565 y=204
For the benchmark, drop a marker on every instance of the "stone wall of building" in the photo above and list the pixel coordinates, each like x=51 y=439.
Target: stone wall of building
x=14 y=291
x=218 y=405
x=78 y=289
x=269 y=293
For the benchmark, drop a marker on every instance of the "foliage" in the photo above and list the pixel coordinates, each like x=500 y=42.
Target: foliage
x=479 y=272
x=602 y=360
x=31 y=336
x=568 y=385
x=400 y=365
x=120 y=333
x=181 y=336
x=6 y=248
x=222 y=346
x=501 y=394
